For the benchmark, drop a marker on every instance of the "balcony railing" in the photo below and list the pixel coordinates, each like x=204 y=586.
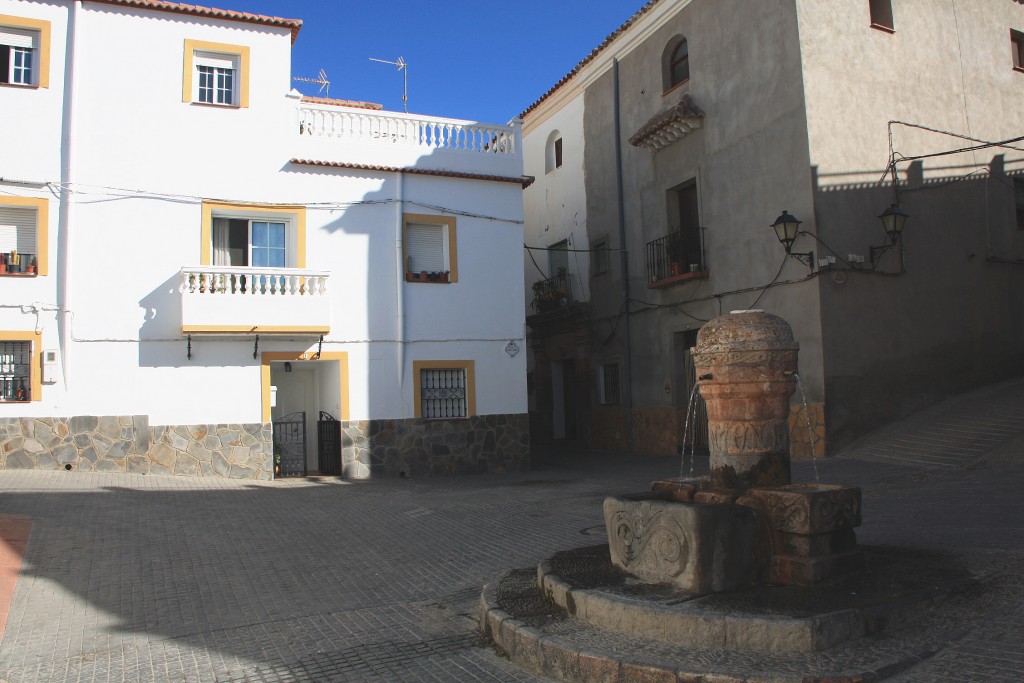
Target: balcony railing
x=230 y=298
x=552 y=293
x=675 y=255
x=393 y=128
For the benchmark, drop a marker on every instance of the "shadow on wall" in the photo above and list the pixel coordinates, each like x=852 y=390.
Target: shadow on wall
x=951 y=322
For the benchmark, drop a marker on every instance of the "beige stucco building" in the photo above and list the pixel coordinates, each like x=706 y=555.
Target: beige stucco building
x=663 y=159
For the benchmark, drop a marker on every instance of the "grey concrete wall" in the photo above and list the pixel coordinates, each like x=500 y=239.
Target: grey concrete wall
x=750 y=160
x=956 y=318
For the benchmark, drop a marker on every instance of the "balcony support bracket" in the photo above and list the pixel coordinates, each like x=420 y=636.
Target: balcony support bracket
x=189 y=354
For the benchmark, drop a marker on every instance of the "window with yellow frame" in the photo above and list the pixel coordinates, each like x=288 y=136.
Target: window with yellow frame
x=445 y=390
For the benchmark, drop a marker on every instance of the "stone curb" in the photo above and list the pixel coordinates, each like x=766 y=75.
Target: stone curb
x=563 y=659
x=646 y=619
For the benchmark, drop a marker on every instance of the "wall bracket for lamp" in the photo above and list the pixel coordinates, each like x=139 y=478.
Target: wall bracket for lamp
x=256 y=347
x=319 y=348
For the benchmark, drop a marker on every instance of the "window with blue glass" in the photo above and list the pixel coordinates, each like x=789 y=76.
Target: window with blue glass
x=268 y=244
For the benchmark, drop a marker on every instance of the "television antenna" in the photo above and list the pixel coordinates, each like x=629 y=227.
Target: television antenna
x=404 y=68
x=321 y=80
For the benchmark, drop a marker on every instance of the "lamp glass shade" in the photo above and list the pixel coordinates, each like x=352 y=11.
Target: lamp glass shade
x=786 y=226
x=893 y=220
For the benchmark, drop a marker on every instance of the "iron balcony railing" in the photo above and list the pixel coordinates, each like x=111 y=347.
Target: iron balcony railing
x=675 y=254
x=554 y=292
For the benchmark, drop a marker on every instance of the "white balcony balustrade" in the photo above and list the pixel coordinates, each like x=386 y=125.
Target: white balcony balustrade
x=233 y=300
x=393 y=128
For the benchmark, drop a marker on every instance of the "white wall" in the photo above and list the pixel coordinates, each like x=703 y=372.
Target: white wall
x=555 y=204
x=145 y=160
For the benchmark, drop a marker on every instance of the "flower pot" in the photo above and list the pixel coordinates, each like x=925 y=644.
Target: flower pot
x=444 y=276
x=675 y=268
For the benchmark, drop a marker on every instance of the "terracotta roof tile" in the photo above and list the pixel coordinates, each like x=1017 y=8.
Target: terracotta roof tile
x=209 y=12
x=593 y=54
x=341 y=103
x=524 y=180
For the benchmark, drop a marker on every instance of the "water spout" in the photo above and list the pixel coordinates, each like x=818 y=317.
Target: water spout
x=686 y=427
x=810 y=431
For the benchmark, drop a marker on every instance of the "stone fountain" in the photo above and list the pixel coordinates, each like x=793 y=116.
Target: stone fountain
x=740 y=575
x=746 y=522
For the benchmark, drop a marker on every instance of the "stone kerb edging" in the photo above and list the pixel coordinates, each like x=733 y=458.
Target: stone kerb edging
x=649 y=619
x=560 y=658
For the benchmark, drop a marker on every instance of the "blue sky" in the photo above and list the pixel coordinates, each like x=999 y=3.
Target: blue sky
x=476 y=60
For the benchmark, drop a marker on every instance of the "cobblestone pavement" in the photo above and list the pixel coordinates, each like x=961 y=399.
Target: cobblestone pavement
x=144 y=578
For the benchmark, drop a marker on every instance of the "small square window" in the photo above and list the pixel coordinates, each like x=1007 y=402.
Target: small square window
x=881 y=14
x=429 y=243
x=1017 y=46
x=215 y=79
x=15 y=370
x=444 y=389
x=216 y=73
x=23 y=231
x=609 y=384
x=22 y=51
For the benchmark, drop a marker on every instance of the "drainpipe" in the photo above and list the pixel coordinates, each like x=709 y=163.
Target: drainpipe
x=400 y=290
x=65 y=219
x=623 y=257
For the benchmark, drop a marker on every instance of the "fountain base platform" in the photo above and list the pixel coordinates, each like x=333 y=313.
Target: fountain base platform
x=579 y=618
x=704 y=540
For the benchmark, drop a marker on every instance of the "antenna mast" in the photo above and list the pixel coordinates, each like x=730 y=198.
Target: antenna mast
x=404 y=68
x=321 y=80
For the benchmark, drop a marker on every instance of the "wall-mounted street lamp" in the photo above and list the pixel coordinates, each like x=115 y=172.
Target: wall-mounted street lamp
x=787 y=227
x=893 y=219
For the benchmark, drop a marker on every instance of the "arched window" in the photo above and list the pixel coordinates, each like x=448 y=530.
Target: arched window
x=553 y=152
x=676 y=62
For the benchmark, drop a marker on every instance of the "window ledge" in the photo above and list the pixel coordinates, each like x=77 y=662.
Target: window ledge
x=214 y=105
x=23 y=86
x=439 y=278
x=6 y=274
x=883 y=28
x=1019 y=69
x=682 y=277
x=675 y=87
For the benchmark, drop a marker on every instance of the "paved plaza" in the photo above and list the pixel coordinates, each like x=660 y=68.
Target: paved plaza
x=145 y=578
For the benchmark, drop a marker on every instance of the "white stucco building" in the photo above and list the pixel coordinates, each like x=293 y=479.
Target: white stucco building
x=212 y=252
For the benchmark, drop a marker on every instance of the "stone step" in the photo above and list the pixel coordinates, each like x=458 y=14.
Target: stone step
x=561 y=641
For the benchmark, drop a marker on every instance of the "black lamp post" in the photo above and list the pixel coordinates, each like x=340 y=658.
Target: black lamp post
x=787 y=227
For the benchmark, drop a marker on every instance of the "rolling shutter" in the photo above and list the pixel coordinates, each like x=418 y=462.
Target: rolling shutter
x=18 y=230
x=426 y=248
x=17 y=38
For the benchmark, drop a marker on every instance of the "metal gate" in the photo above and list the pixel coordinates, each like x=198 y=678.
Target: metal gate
x=328 y=432
x=290 y=445
x=696 y=438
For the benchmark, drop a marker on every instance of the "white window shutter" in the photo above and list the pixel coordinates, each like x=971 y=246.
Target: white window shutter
x=17 y=38
x=218 y=61
x=18 y=230
x=426 y=247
